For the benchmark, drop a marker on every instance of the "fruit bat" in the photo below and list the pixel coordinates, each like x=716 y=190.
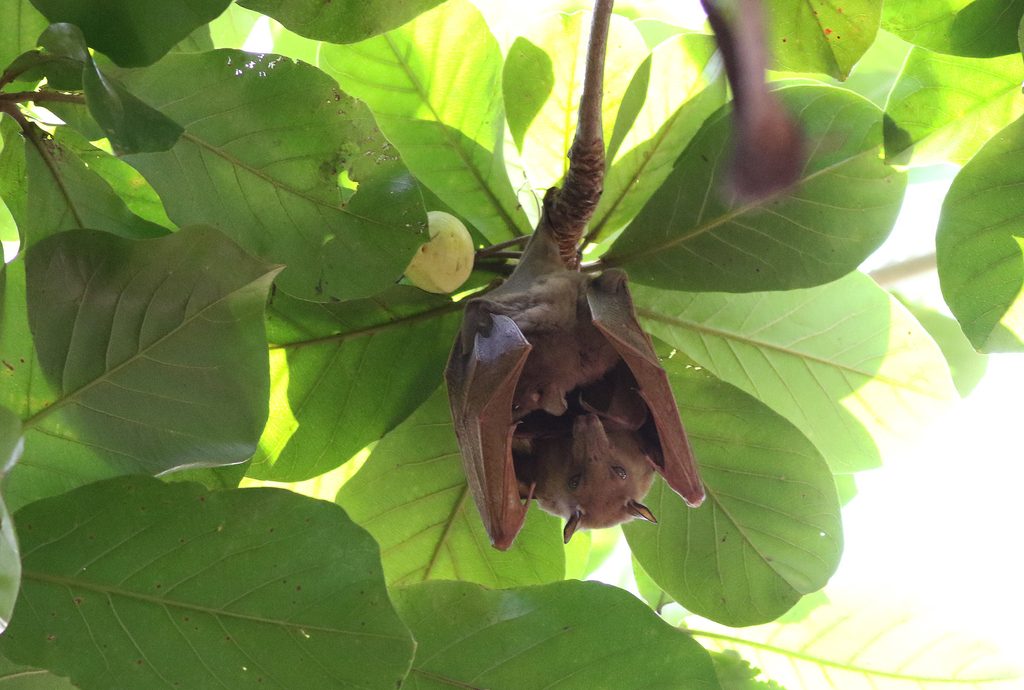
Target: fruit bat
x=558 y=395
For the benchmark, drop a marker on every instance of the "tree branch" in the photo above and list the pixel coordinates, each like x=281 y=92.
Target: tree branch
x=568 y=210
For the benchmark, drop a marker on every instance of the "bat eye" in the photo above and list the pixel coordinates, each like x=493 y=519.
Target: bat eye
x=621 y=472
x=574 y=481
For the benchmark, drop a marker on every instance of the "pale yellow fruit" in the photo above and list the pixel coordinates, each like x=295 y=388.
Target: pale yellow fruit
x=444 y=263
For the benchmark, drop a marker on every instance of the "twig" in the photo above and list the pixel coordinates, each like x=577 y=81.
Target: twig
x=489 y=252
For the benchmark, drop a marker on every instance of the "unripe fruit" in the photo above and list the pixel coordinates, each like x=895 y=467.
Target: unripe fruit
x=444 y=263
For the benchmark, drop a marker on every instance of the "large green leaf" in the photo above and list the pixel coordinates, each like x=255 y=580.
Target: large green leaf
x=974 y=28
x=873 y=640
x=64 y=193
x=434 y=86
x=355 y=371
x=564 y=37
x=844 y=362
x=769 y=530
x=413 y=497
x=979 y=245
x=342 y=21
x=693 y=235
x=679 y=86
x=944 y=108
x=820 y=37
x=563 y=636
x=133 y=33
x=260 y=161
x=11 y=445
x=151 y=356
x=147 y=584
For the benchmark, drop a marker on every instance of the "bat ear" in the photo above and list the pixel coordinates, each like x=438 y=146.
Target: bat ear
x=637 y=509
x=570 y=526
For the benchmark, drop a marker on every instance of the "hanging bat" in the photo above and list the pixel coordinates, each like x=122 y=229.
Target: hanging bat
x=768 y=143
x=557 y=394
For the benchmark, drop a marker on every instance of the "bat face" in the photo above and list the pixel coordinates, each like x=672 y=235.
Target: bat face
x=594 y=479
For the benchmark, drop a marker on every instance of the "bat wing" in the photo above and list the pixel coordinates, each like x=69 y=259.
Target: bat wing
x=482 y=373
x=612 y=308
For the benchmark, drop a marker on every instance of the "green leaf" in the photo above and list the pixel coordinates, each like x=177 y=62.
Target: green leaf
x=434 y=86
x=820 y=37
x=844 y=362
x=261 y=160
x=692 y=235
x=944 y=108
x=11 y=446
x=736 y=673
x=66 y=194
x=18 y=677
x=966 y=365
x=20 y=26
x=148 y=584
x=132 y=33
x=151 y=356
x=979 y=243
x=564 y=37
x=130 y=124
x=564 y=635
x=529 y=74
x=769 y=530
x=342 y=21
x=355 y=371
x=680 y=87
x=233 y=26
x=413 y=497
x=973 y=28
x=869 y=640
x=138 y=195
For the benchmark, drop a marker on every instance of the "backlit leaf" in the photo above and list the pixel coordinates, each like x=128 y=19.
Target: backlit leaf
x=980 y=245
x=564 y=38
x=828 y=38
x=434 y=86
x=355 y=371
x=843 y=362
x=974 y=28
x=944 y=108
x=872 y=640
x=681 y=85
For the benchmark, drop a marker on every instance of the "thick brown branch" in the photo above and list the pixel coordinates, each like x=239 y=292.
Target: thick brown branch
x=568 y=210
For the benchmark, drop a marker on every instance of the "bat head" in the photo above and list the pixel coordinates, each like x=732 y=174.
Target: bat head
x=595 y=479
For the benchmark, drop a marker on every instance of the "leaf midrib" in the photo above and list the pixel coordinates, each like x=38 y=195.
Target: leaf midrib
x=764 y=345
x=802 y=656
x=109 y=591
